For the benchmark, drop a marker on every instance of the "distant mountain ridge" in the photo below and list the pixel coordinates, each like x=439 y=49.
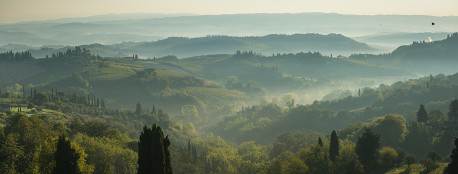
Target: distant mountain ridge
x=398 y=39
x=267 y=45
x=421 y=57
x=154 y=27
x=187 y=47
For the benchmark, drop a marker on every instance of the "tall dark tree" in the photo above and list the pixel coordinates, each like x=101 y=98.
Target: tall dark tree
x=320 y=142
x=366 y=148
x=422 y=115
x=154 y=110
x=453 y=166
x=138 y=109
x=168 y=164
x=453 y=113
x=189 y=147
x=153 y=153
x=334 y=146
x=66 y=157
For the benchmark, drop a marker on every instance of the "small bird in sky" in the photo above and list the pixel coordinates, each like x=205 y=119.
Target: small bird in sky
x=432 y=23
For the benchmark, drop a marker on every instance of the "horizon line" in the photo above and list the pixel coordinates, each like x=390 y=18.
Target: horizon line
x=221 y=14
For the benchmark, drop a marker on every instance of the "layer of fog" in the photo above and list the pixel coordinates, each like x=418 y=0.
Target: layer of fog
x=137 y=27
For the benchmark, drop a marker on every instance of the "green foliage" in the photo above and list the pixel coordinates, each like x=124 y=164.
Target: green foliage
x=27 y=141
x=366 y=148
x=287 y=162
x=138 y=109
x=251 y=123
x=153 y=155
x=46 y=155
x=453 y=165
x=418 y=140
x=433 y=156
x=190 y=113
x=410 y=160
x=436 y=118
x=18 y=56
x=316 y=158
x=40 y=99
x=293 y=142
x=443 y=141
x=80 y=80
x=402 y=154
x=320 y=142
x=391 y=128
x=95 y=129
x=30 y=132
x=422 y=115
x=11 y=154
x=66 y=157
x=347 y=162
x=387 y=157
x=108 y=155
x=453 y=110
x=333 y=146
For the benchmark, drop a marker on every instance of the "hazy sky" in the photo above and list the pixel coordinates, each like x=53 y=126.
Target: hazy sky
x=26 y=10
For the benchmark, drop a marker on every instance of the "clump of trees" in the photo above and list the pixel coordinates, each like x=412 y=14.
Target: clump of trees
x=453 y=166
x=66 y=157
x=153 y=151
x=18 y=56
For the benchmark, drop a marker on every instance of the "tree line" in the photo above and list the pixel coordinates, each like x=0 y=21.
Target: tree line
x=18 y=56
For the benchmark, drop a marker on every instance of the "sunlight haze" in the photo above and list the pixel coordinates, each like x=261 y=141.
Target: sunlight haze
x=28 y=10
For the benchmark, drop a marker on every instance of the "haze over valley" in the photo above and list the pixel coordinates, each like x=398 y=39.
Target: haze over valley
x=268 y=92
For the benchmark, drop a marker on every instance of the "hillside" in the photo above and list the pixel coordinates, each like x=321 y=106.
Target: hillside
x=394 y=40
x=417 y=168
x=186 y=47
x=283 y=73
x=122 y=82
x=81 y=95
x=420 y=57
x=403 y=97
x=274 y=43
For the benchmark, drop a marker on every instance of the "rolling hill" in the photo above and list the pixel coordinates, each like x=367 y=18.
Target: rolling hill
x=420 y=57
x=122 y=82
x=274 y=43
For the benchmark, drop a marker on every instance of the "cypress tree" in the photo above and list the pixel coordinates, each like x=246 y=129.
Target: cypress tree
x=320 y=142
x=154 y=110
x=145 y=151
x=366 y=148
x=422 y=115
x=334 y=146
x=138 y=109
x=66 y=157
x=168 y=164
x=153 y=153
x=88 y=99
x=453 y=166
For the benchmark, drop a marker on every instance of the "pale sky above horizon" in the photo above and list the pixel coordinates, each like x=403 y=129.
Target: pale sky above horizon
x=29 y=10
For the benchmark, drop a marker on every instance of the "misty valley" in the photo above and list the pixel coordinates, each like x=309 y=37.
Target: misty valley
x=229 y=95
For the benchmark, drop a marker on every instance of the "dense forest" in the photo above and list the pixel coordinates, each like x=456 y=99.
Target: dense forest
x=105 y=139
